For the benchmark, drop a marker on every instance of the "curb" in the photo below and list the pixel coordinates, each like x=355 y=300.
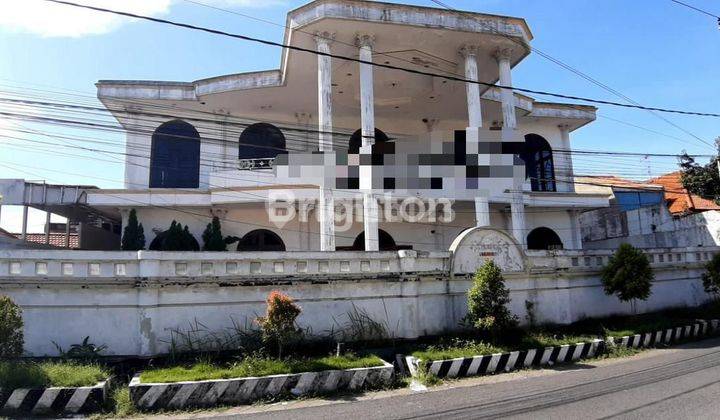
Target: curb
x=506 y=362
x=54 y=400
x=210 y=393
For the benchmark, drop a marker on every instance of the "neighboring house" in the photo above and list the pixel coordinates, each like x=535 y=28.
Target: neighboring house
x=325 y=153
x=649 y=214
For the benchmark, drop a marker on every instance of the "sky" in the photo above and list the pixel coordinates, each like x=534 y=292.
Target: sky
x=654 y=51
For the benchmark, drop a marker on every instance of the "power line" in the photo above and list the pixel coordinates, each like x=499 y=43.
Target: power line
x=696 y=9
x=382 y=65
x=583 y=75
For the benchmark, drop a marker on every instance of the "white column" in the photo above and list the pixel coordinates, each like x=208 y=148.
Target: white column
x=567 y=165
x=23 y=234
x=67 y=233
x=576 y=228
x=506 y=95
x=482 y=212
x=472 y=90
x=367 y=116
x=326 y=210
x=517 y=212
x=47 y=227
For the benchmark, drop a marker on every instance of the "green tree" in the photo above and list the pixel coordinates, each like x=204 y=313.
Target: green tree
x=628 y=275
x=212 y=237
x=487 y=301
x=176 y=238
x=702 y=180
x=133 y=235
x=711 y=276
x=11 y=329
x=278 y=325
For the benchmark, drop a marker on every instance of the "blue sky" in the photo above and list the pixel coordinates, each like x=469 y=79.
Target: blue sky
x=656 y=52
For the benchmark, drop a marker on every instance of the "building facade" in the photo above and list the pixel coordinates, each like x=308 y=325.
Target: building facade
x=230 y=145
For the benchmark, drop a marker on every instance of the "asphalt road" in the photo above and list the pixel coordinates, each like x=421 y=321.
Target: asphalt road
x=679 y=383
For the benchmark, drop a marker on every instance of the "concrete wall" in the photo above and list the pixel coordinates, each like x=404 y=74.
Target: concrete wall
x=132 y=300
x=649 y=227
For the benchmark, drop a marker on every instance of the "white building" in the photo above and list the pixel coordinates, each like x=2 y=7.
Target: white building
x=203 y=148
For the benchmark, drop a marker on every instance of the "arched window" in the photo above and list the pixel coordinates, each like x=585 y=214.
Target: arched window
x=175 y=156
x=356 y=140
x=261 y=240
x=539 y=163
x=543 y=238
x=261 y=141
x=387 y=243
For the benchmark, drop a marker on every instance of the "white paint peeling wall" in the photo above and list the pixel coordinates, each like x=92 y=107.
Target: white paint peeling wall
x=134 y=309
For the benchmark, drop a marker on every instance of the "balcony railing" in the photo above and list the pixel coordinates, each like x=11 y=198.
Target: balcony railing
x=252 y=164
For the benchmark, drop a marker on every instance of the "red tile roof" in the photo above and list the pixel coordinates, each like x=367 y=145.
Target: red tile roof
x=56 y=239
x=678 y=199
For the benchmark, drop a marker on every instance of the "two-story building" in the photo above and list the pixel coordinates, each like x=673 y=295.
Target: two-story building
x=229 y=145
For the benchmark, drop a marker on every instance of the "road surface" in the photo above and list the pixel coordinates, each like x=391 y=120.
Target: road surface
x=677 y=383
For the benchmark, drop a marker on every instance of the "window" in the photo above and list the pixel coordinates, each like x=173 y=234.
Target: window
x=175 y=156
x=356 y=140
x=261 y=240
x=261 y=141
x=386 y=242
x=539 y=165
x=545 y=238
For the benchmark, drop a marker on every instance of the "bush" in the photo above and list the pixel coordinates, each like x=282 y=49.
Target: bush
x=628 y=275
x=213 y=239
x=278 y=325
x=487 y=300
x=176 y=238
x=711 y=277
x=11 y=329
x=134 y=235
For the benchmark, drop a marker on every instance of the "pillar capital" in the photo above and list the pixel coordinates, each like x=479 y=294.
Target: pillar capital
x=564 y=128
x=324 y=37
x=468 y=50
x=365 y=40
x=503 y=53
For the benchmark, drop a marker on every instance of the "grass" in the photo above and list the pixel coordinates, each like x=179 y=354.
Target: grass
x=256 y=366
x=15 y=375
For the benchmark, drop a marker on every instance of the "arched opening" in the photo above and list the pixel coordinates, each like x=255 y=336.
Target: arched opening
x=356 y=140
x=175 y=156
x=261 y=141
x=261 y=240
x=387 y=243
x=543 y=238
x=539 y=165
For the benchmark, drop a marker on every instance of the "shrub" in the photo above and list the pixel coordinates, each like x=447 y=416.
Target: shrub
x=82 y=351
x=133 y=235
x=213 y=239
x=487 y=300
x=278 y=324
x=11 y=329
x=628 y=275
x=176 y=238
x=711 y=277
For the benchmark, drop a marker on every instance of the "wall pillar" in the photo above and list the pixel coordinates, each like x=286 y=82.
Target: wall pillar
x=326 y=210
x=517 y=213
x=367 y=116
x=576 y=228
x=482 y=212
x=567 y=164
x=506 y=95
x=47 y=227
x=472 y=90
x=67 y=233
x=23 y=234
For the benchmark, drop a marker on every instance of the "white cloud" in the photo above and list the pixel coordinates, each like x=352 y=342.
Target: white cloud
x=48 y=19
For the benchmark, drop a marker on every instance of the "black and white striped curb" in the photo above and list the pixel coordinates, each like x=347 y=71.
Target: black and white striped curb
x=505 y=362
x=53 y=401
x=155 y=396
x=666 y=336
